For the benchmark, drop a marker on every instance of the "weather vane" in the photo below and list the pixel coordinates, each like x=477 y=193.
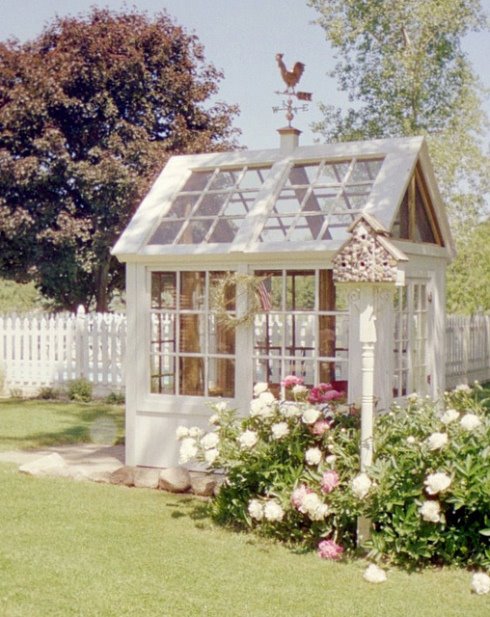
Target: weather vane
x=291 y=79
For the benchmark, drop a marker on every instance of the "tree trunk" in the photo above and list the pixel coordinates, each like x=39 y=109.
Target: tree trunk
x=101 y=291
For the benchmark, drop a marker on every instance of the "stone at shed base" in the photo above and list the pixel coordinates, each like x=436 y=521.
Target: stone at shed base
x=146 y=477
x=124 y=476
x=49 y=465
x=175 y=480
x=203 y=486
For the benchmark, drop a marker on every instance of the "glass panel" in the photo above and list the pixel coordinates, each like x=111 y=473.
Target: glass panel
x=197 y=181
x=303 y=174
x=325 y=199
x=192 y=290
x=166 y=232
x=272 y=282
x=230 y=290
x=225 y=179
x=333 y=173
x=240 y=204
x=268 y=370
x=276 y=229
x=300 y=335
x=287 y=202
x=191 y=376
x=268 y=334
x=162 y=374
x=225 y=230
x=162 y=328
x=306 y=228
x=182 y=207
x=253 y=178
x=211 y=204
x=192 y=328
x=221 y=339
x=195 y=231
x=361 y=172
x=163 y=290
x=300 y=291
x=221 y=377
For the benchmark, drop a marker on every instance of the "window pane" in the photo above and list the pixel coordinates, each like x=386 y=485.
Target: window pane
x=229 y=292
x=182 y=207
x=191 y=376
x=162 y=329
x=211 y=204
x=300 y=290
x=306 y=228
x=196 y=231
x=197 y=181
x=225 y=230
x=166 y=232
x=221 y=377
x=192 y=328
x=163 y=289
x=162 y=375
x=221 y=338
x=192 y=290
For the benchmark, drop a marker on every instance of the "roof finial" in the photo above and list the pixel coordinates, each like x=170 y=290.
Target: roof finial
x=291 y=79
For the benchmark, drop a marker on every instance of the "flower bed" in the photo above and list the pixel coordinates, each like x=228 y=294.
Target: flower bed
x=292 y=471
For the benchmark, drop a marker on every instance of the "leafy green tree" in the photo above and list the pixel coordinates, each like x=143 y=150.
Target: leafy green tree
x=405 y=73
x=89 y=112
x=468 y=289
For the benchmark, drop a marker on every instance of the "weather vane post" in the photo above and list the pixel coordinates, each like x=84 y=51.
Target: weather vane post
x=291 y=79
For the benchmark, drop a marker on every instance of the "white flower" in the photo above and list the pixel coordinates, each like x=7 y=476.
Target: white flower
x=413 y=398
x=313 y=456
x=209 y=441
x=411 y=440
x=211 y=455
x=310 y=415
x=280 y=430
x=470 y=422
x=312 y=505
x=480 y=583
x=182 y=432
x=267 y=398
x=260 y=408
x=331 y=458
x=221 y=406
x=214 y=419
x=437 y=482
x=450 y=415
x=256 y=509
x=195 y=432
x=361 y=485
x=273 y=511
x=374 y=574
x=436 y=441
x=248 y=439
x=188 y=449
x=260 y=387
x=462 y=387
x=289 y=410
x=430 y=511
x=299 y=390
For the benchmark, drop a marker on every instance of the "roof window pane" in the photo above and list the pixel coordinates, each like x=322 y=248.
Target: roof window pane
x=196 y=231
x=197 y=181
x=166 y=232
x=211 y=204
x=225 y=230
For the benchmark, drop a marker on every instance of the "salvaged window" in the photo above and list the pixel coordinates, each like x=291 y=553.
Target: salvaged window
x=410 y=352
x=300 y=330
x=191 y=354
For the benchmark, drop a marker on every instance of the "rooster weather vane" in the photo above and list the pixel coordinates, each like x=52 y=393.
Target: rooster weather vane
x=291 y=79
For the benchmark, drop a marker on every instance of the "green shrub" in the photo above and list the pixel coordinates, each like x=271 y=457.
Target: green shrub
x=80 y=390
x=48 y=393
x=115 y=398
x=292 y=473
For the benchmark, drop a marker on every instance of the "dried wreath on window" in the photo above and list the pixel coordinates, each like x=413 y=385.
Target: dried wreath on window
x=225 y=294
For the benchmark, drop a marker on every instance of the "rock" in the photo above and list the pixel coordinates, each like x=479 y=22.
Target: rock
x=48 y=465
x=146 y=478
x=175 y=480
x=124 y=476
x=203 y=486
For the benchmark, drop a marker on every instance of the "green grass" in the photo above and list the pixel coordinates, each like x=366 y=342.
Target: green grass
x=32 y=424
x=82 y=549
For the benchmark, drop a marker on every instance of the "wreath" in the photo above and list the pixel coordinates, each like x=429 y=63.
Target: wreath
x=221 y=298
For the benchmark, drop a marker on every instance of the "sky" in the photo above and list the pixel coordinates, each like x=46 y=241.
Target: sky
x=241 y=37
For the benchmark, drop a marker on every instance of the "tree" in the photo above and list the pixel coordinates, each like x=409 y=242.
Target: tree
x=468 y=290
x=89 y=112
x=404 y=70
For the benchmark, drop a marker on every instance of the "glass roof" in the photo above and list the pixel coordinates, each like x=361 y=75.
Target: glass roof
x=315 y=201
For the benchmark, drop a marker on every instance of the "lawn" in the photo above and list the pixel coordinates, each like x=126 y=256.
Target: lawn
x=29 y=424
x=90 y=550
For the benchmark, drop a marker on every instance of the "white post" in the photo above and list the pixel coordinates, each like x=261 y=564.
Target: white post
x=367 y=338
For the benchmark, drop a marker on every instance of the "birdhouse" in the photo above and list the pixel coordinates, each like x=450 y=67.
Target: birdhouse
x=247 y=266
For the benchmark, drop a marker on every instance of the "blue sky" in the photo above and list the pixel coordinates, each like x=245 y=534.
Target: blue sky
x=241 y=37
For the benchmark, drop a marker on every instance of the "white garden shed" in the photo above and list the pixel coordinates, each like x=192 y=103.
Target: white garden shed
x=326 y=261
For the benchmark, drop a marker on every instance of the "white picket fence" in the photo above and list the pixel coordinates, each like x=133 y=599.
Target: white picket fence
x=39 y=351
x=467 y=349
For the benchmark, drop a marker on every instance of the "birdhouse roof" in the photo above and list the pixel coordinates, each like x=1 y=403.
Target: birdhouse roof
x=302 y=200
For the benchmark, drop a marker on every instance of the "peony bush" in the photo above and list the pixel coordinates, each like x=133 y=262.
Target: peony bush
x=292 y=473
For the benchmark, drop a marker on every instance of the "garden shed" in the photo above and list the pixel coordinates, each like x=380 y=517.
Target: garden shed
x=327 y=262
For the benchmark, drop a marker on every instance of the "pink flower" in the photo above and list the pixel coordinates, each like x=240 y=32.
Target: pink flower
x=320 y=427
x=329 y=481
x=328 y=549
x=298 y=495
x=291 y=380
x=323 y=393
